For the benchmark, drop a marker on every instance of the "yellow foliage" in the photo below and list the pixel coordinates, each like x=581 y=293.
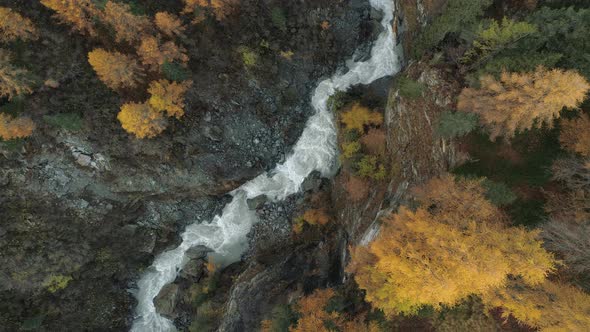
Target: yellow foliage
x=79 y=13
x=128 y=27
x=549 y=306
x=11 y=128
x=312 y=312
x=522 y=101
x=169 y=24
x=14 y=81
x=141 y=120
x=575 y=135
x=444 y=252
x=359 y=116
x=116 y=70
x=155 y=55
x=168 y=96
x=13 y=26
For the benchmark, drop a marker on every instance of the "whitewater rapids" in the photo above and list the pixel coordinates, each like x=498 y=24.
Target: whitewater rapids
x=316 y=149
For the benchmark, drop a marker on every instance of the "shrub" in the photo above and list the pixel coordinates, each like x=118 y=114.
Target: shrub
x=249 y=57
x=369 y=167
x=357 y=188
x=11 y=128
x=409 y=88
x=375 y=141
x=67 y=121
x=278 y=19
x=53 y=283
x=498 y=193
x=359 y=116
x=349 y=149
x=456 y=124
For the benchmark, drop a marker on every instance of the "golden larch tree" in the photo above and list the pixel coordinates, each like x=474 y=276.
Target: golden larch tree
x=13 y=26
x=445 y=251
x=169 y=24
x=154 y=54
x=14 y=81
x=11 y=128
x=520 y=101
x=575 y=135
x=313 y=313
x=548 y=306
x=128 y=27
x=81 y=14
x=141 y=120
x=168 y=96
x=115 y=69
x=358 y=116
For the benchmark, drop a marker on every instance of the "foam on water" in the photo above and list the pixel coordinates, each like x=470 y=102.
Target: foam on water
x=316 y=149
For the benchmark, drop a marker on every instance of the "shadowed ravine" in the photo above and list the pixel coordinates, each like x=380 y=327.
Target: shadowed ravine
x=316 y=150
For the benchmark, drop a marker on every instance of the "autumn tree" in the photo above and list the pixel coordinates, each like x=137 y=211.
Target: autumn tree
x=155 y=54
x=141 y=120
x=573 y=204
x=168 y=96
x=11 y=128
x=374 y=141
x=357 y=188
x=549 y=306
x=13 y=26
x=220 y=8
x=14 y=81
x=79 y=13
x=128 y=27
x=115 y=69
x=575 y=135
x=452 y=246
x=520 y=101
x=357 y=117
x=169 y=24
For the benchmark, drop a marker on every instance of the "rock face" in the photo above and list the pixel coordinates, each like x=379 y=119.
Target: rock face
x=82 y=211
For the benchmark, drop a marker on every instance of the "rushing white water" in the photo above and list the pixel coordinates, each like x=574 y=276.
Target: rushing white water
x=316 y=149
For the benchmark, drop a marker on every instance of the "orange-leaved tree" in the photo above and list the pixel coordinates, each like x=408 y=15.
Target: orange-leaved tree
x=141 y=120
x=168 y=96
x=115 y=69
x=575 y=135
x=128 y=27
x=154 y=54
x=520 y=101
x=11 y=127
x=13 y=26
x=79 y=13
x=548 y=306
x=454 y=245
x=221 y=8
x=14 y=81
x=357 y=117
x=169 y=24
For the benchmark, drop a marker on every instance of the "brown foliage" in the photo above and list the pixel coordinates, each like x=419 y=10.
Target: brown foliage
x=220 y=8
x=13 y=26
x=522 y=101
x=316 y=216
x=128 y=27
x=572 y=205
x=154 y=54
x=571 y=242
x=169 y=24
x=11 y=128
x=79 y=13
x=312 y=311
x=575 y=135
x=451 y=247
x=357 y=188
x=374 y=141
x=141 y=120
x=115 y=69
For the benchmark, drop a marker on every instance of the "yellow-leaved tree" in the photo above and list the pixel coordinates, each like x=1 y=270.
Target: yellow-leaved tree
x=454 y=245
x=154 y=54
x=548 y=306
x=520 y=101
x=11 y=127
x=128 y=27
x=168 y=96
x=169 y=24
x=358 y=116
x=79 y=13
x=141 y=120
x=115 y=69
x=13 y=26
x=14 y=81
